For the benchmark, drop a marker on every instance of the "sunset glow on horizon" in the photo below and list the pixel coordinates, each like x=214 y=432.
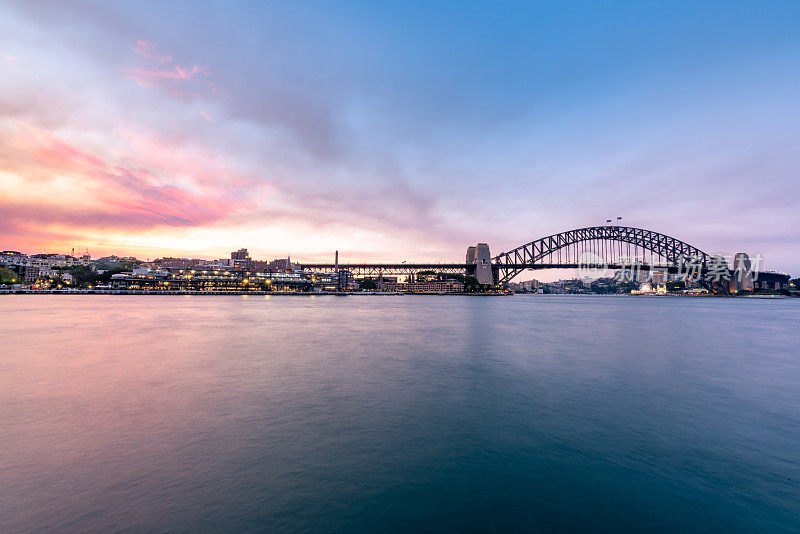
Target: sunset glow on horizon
x=393 y=133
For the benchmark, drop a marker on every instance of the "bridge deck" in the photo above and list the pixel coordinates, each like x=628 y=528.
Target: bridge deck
x=403 y=268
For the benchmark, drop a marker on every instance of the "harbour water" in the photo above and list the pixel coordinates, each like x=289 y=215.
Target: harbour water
x=399 y=413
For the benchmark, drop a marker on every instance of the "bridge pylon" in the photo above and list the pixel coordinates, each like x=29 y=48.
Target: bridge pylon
x=481 y=258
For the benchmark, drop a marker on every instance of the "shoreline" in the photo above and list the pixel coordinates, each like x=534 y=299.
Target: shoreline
x=341 y=293
x=228 y=293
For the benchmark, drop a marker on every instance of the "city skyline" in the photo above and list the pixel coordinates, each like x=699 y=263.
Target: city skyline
x=403 y=132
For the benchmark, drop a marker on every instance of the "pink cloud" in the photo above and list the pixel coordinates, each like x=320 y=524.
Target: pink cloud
x=144 y=48
x=206 y=116
x=216 y=90
x=177 y=93
x=161 y=71
x=153 y=78
x=149 y=50
x=123 y=197
x=179 y=156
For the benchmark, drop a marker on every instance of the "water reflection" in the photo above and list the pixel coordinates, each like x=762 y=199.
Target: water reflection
x=398 y=413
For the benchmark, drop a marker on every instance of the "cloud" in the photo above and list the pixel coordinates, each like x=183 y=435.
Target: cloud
x=149 y=50
x=86 y=190
x=161 y=70
x=163 y=78
x=152 y=78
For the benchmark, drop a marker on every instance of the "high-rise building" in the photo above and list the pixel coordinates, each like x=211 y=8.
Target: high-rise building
x=241 y=260
x=240 y=254
x=31 y=273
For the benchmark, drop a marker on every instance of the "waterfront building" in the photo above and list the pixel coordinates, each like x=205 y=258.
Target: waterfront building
x=12 y=257
x=528 y=286
x=177 y=263
x=60 y=260
x=44 y=263
x=245 y=264
x=280 y=265
x=323 y=281
x=30 y=273
x=259 y=266
x=210 y=280
x=433 y=286
x=53 y=260
x=240 y=260
x=148 y=271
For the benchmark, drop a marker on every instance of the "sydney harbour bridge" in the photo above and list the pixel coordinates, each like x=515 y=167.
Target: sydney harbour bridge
x=597 y=247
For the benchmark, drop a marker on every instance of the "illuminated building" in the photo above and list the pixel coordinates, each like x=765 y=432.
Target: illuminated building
x=177 y=263
x=241 y=260
x=434 y=286
x=30 y=273
x=280 y=265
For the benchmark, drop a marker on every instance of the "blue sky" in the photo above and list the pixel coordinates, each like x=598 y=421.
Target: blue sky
x=403 y=130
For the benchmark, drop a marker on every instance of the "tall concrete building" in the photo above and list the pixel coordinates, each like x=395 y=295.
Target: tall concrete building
x=241 y=260
x=240 y=254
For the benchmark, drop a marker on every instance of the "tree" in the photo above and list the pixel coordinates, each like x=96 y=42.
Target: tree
x=106 y=276
x=106 y=264
x=83 y=275
x=675 y=286
x=450 y=276
x=7 y=277
x=368 y=284
x=626 y=287
x=471 y=285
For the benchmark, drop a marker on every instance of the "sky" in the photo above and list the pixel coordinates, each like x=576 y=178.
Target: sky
x=396 y=131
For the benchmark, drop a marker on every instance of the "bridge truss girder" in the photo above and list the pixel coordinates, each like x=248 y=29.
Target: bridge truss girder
x=507 y=265
x=387 y=269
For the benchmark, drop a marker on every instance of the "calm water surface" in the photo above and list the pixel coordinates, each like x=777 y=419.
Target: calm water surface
x=412 y=413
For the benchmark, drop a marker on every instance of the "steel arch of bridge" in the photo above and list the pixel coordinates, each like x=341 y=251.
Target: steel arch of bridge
x=510 y=264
